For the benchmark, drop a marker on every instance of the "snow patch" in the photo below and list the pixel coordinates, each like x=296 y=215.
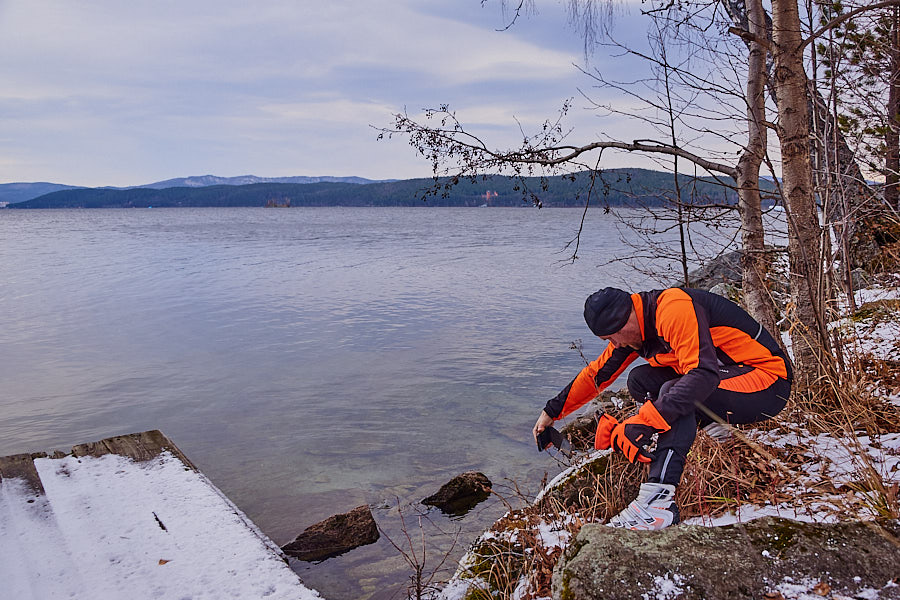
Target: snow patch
x=111 y=528
x=665 y=588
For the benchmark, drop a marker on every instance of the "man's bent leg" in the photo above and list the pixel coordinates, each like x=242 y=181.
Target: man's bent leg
x=740 y=408
x=655 y=507
x=672 y=447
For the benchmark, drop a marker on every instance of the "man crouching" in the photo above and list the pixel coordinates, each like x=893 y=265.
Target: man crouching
x=708 y=362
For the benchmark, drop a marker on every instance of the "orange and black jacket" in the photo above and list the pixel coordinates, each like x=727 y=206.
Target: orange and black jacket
x=695 y=333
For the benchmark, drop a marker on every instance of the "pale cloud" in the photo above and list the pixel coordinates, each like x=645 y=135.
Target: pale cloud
x=104 y=92
x=340 y=110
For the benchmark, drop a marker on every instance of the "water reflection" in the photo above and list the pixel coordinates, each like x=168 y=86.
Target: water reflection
x=307 y=360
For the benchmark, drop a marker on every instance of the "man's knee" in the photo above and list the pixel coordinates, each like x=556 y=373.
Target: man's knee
x=639 y=384
x=646 y=382
x=664 y=388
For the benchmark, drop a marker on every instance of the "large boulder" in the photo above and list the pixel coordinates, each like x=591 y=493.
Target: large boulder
x=335 y=535
x=723 y=269
x=723 y=275
x=751 y=560
x=459 y=495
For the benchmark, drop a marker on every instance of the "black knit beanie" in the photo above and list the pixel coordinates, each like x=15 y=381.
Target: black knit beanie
x=607 y=310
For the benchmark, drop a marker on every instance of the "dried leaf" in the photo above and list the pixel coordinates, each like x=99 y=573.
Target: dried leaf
x=822 y=589
x=163 y=561
x=774 y=596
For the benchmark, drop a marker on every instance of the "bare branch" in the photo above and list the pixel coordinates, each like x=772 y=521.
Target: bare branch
x=550 y=156
x=749 y=37
x=516 y=13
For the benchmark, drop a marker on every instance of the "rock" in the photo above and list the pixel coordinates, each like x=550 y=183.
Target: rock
x=335 y=535
x=737 y=561
x=727 y=290
x=723 y=269
x=459 y=495
x=726 y=271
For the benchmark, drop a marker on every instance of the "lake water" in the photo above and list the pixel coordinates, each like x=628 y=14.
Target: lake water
x=307 y=360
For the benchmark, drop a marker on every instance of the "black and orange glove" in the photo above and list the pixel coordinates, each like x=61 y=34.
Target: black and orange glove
x=632 y=435
x=603 y=437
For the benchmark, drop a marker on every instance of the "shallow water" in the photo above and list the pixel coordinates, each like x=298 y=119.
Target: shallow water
x=307 y=360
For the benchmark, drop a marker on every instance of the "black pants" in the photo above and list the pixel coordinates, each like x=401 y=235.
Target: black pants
x=646 y=382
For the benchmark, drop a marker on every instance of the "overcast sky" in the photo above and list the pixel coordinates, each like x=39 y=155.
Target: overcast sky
x=113 y=92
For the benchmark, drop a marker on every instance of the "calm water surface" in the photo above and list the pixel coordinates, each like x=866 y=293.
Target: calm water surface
x=307 y=360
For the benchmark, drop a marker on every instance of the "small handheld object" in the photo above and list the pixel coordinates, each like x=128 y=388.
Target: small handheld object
x=551 y=437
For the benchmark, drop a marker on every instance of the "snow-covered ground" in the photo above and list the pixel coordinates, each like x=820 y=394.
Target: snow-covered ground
x=832 y=460
x=110 y=528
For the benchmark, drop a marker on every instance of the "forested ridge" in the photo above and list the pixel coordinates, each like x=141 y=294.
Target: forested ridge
x=617 y=187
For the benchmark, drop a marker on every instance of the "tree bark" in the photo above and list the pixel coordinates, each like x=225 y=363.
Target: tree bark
x=755 y=259
x=808 y=335
x=892 y=134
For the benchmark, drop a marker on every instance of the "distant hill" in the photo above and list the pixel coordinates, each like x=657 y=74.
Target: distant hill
x=619 y=187
x=208 y=180
x=20 y=192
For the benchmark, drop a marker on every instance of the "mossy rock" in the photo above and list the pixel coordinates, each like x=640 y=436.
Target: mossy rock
x=494 y=563
x=732 y=562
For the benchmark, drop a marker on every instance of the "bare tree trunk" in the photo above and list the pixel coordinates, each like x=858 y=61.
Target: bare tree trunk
x=809 y=338
x=892 y=135
x=755 y=259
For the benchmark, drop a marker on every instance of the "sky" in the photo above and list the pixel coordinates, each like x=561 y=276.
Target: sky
x=105 y=92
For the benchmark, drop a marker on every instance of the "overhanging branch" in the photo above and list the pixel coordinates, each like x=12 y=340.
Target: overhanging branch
x=551 y=156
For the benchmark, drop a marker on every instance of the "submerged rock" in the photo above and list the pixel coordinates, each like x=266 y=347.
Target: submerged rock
x=459 y=495
x=738 y=561
x=335 y=535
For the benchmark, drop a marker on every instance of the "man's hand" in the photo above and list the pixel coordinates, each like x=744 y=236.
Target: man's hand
x=632 y=435
x=541 y=424
x=605 y=426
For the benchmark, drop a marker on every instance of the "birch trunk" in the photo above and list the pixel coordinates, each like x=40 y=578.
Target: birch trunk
x=808 y=335
x=892 y=135
x=755 y=259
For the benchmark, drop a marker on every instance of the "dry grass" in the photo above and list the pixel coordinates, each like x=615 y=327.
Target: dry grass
x=721 y=477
